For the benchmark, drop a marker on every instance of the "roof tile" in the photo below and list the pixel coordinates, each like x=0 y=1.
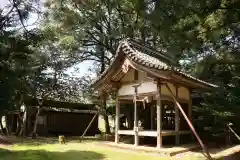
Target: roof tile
x=147 y=57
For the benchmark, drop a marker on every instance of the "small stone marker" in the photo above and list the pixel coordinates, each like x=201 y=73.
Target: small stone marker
x=61 y=139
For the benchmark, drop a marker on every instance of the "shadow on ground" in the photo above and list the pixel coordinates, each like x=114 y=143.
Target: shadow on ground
x=216 y=154
x=37 y=141
x=46 y=155
x=235 y=156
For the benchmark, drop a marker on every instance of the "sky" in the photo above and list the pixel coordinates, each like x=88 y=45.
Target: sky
x=81 y=67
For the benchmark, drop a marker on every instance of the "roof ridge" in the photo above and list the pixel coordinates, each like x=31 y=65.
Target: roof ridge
x=151 y=51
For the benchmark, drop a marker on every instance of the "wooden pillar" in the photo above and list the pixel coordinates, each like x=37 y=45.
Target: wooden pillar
x=136 y=137
x=190 y=110
x=190 y=106
x=117 y=120
x=152 y=114
x=177 y=120
x=159 y=115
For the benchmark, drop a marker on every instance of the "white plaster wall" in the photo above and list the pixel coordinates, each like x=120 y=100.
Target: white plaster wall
x=151 y=86
x=126 y=90
x=147 y=87
x=101 y=123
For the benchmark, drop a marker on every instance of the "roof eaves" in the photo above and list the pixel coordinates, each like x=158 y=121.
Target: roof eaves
x=148 y=61
x=134 y=56
x=198 y=80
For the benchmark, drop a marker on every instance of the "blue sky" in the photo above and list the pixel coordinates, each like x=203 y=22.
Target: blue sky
x=81 y=67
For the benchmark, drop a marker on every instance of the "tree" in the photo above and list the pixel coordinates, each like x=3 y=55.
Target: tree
x=94 y=28
x=204 y=36
x=16 y=48
x=25 y=58
x=50 y=80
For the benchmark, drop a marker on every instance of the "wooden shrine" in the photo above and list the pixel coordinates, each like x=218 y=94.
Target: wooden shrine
x=149 y=79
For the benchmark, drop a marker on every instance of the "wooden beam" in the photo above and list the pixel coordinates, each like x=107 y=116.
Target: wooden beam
x=235 y=134
x=89 y=125
x=134 y=82
x=147 y=133
x=163 y=97
x=117 y=120
x=177 y=120
x=190 y=124
x=159 y=116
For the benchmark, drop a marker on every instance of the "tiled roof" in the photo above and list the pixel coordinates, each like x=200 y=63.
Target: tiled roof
x=151 y=59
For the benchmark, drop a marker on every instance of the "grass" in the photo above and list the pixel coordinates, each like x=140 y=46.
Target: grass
x=48 y=149
x=71 y=151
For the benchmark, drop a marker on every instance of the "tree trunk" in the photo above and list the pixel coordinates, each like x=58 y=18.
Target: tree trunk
x=107 y=126
x=18 y=125
x=34 y=132
x=8 y=125
x=1 y=125
x=104 y=107
x=24 y=123
x=105 y=115
x=102 y=69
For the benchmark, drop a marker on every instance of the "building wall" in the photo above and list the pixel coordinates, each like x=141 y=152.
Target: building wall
x=101 y=123
x=72 y=124
x=148 y=85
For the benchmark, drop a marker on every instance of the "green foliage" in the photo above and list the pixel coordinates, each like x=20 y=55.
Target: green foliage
x=32 y=64
x=16 y=63
x=202 y=35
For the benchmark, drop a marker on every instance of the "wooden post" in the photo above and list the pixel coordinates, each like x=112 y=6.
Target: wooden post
x=190 y=124
x=136 y=137
x=177 y=120
x=190 y=106
x=190 y=110
x=230 y=129
x=117 y=120
x=61 y=139
x=159 y=116
x=151 y=114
